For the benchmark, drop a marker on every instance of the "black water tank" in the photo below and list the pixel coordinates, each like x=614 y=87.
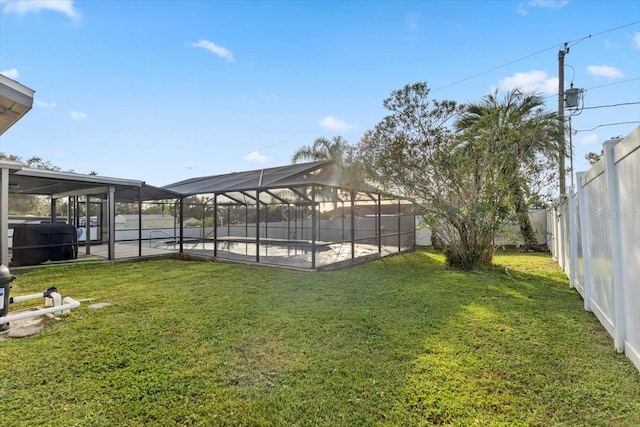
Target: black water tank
x=34 y=244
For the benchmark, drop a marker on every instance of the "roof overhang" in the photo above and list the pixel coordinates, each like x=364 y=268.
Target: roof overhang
x=15 y=101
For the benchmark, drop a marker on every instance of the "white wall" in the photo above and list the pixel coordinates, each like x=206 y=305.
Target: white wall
x=508 y=235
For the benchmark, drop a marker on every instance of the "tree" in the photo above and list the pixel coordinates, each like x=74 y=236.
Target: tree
x=33 y=162
x=348 y=171
x=592 y=157
x=526 y=136
x=454 y=178
x=338 y=150
x=36 y=162
x=335 y=149
x=28 y=204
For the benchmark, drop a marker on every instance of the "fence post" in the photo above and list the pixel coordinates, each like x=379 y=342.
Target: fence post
x=555 y=236
x=616 y=250
x=585 y=236
x=573 y=238
x=550 y=230
x=555 y=215
x=561 y=237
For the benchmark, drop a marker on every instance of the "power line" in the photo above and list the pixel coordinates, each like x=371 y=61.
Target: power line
x=495 y=68
x=267 y=147
x=615 y=29
x=615 y=83
x=598 y=87
x=572 y=43
x=611 y=105
x=603 y=125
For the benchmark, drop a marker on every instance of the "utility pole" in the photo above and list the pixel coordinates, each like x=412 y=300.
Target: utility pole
x=561 y=146
x=562 y=240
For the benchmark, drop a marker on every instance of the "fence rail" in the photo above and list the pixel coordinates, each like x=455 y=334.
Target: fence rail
x=595 y=237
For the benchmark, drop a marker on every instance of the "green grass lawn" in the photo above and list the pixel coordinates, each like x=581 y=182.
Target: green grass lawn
x=400 y=341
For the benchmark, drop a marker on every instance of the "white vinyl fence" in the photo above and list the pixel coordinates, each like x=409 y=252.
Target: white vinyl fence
x=595 y=238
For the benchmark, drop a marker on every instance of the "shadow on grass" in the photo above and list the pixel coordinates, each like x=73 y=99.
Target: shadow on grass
x=519 y=349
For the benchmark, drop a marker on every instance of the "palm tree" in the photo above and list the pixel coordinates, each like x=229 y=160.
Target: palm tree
x=322 y=148
x=344 y=156
x=338 y=150
x=524 y=134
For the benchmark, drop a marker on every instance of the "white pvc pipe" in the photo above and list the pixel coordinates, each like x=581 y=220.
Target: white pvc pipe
x=53 y=300
x=66 y=301
x=22 y=298
x=57 y=299
x=69 y=304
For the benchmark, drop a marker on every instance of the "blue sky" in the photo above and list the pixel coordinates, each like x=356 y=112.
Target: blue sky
x=167 y=90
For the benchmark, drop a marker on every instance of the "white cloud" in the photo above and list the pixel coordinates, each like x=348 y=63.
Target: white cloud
x=12 y=73
x=530 y=81
x=215 y=49
x=44 y=104
x=610 y=44
x=604 y=71
x=256 y=157
x=78 y=115
x=549 y=4
x=546 y=4
x=636 y=40
x=23 y=7
x=333 y=123
x=589 y=139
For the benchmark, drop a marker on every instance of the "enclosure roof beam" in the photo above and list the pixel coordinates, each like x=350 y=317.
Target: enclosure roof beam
x=300 y=194
x=232 y=198
x=371 y=196
x=286 y=202
x=91 y=191
x=245 y=194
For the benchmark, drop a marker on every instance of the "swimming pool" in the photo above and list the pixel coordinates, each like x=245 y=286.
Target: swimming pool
x=249 y=248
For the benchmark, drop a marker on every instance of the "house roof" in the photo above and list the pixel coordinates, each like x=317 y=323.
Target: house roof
x=15 y=101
